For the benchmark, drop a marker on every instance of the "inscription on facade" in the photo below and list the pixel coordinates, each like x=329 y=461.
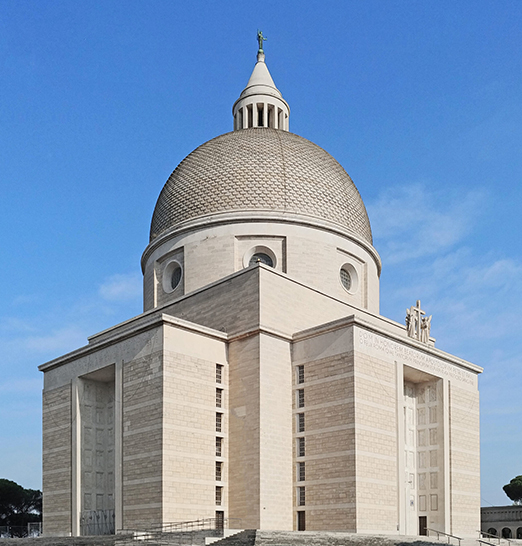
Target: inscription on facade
x=418 y=359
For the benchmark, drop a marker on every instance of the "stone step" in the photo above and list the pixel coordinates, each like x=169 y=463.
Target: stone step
x=243 y=538
x=226 y=533
x=315 y=538
x=174 y=538
x=250 y=538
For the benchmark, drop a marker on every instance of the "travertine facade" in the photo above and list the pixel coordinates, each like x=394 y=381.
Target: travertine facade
x=260 y=385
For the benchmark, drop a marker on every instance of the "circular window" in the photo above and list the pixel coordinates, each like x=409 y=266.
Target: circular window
x=261 y=257
x=172 y=275
x=348 y=278
x=175 y=278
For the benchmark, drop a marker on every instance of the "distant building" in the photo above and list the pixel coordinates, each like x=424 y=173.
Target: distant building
x=502 y=521
x=261 y=386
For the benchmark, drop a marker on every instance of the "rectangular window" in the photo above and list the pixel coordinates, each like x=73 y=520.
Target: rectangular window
x=300 y=398
x=219 y=422
x=301 y=521
x=301 y=496
x=300 y=374
x=219 y=469
x=219 y=398
x=219 y=446
x=300 y=447
x=219 y=495
x=300 y=422
x=301 y=475
x=219 y=373
x=220 y=520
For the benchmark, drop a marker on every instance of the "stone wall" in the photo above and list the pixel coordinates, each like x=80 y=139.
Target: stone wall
x=328 y=431
x=143 y=440
x=275 y=438
x=228 y=306
x=189 y=441
x=244 y=432
x=260 y=477
x=189 y=424
x=375 y=400
x=464 y=460
x=57 y=438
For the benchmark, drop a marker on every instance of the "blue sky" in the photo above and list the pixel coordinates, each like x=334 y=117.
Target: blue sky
x=418 y=100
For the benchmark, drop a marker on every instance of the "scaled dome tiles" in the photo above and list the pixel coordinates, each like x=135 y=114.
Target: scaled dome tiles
x=260 y=169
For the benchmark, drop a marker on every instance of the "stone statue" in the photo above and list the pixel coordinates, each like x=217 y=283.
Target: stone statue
x=417 y=326
x=260 y=40
x=411 y=322
x=425 y=329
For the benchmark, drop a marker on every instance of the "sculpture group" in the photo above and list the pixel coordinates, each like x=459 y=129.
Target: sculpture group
x=418 y=326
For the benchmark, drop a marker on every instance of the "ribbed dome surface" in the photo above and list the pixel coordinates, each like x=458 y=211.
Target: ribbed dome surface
x=260 y=169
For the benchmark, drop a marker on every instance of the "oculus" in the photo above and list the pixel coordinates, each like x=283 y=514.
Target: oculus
x=172 y=275
x=348 y=278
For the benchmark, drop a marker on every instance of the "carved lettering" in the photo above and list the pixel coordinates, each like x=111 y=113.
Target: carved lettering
x=418 y=359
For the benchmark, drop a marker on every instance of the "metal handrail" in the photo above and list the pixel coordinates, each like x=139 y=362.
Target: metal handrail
x=485 y=542
x=191 y=526
x=443 y=533
x=196 y=524
x=498 y=537
x=491 y=543
x=491 y=535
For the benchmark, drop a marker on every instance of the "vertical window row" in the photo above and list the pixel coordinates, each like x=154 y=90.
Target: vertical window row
x=300 y=447
x=219 y=441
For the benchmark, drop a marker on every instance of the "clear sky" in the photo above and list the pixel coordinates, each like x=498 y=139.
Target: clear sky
x=420 y=101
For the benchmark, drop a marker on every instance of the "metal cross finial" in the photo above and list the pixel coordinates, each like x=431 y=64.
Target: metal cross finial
x=260 y=40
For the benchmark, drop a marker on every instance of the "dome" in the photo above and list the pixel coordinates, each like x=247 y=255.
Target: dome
x=261 y=169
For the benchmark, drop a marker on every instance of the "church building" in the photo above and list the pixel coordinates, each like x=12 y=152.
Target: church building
x=260 y=386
